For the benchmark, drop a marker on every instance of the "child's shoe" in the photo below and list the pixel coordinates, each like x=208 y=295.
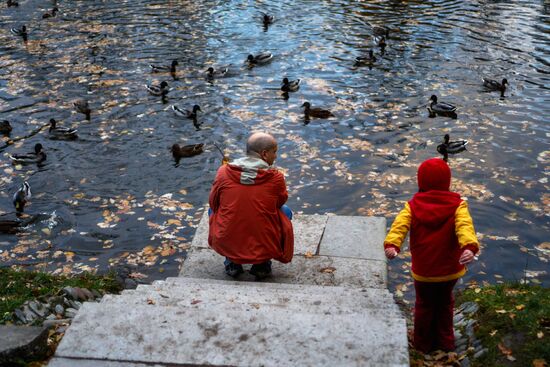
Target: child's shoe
x=261 y=271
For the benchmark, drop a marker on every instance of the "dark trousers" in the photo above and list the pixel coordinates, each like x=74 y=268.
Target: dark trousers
x=433 y=316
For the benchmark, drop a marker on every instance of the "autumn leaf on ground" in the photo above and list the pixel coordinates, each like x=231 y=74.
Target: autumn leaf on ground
x=540 y=335
x=520 y=307
x=493 y=333
x=500 y=311
x=136 y=275
x=150 y=301
x=195 y=301
x=308 y=255
x=328 y=270
x=539 y=363
x=504 y=350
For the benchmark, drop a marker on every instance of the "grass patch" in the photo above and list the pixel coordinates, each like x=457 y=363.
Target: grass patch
x=18 y=286
x=513 y=323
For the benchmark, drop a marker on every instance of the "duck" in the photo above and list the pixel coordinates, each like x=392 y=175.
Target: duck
x=369 y=59
x=212 y=73
x=381 y=31
x=158 y=90
x=5 y=127
x=61 y=133
x=494 y=85
x=451 y=147
x=21 y=197
x=290 y=85
x=82 y=106
x=50 y=14
x=38 y=156
x=187 y=113
x=186 y=150
x=12 y=3
x=259 y=59
x=21 y=32
x=316 y=112
x=164 y=68
x=267 y=19
x=441 y=108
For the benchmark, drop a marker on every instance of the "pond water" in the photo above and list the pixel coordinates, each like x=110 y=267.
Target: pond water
x=115 y=195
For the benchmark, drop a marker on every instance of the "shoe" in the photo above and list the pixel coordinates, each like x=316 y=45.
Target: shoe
x=261 y=271
x=232 y=269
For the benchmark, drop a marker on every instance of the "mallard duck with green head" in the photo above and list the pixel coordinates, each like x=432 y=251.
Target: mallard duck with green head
x=61 y=133
x=38 y=156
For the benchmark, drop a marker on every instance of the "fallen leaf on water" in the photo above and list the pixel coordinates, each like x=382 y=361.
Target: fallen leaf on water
x=148 y=250
x=328 y=270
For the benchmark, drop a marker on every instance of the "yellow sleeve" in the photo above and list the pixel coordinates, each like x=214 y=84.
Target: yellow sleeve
x=464 y=227
x=400 y=227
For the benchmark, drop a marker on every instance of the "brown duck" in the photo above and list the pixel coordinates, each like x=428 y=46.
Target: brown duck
x=186 y=150
x=316 y=112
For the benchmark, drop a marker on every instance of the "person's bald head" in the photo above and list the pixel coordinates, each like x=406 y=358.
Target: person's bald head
x=262 y=145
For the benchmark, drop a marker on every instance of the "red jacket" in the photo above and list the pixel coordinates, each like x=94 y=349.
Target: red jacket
x=247 y=225
x=439 y=223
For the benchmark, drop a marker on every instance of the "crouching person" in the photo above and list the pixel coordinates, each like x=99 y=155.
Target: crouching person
x=249 y=223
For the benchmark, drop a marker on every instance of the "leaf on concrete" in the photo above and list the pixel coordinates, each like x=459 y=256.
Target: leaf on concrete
x=150 y=301
x=328 y=270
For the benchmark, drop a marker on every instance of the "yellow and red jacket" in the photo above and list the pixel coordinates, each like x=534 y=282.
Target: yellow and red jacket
x=440 y=226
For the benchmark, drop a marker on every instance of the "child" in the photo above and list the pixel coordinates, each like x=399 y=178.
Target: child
x=442 y=240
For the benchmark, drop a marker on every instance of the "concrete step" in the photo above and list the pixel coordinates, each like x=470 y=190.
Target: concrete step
x=229 y=295
x=317 y=270
x=195 y=336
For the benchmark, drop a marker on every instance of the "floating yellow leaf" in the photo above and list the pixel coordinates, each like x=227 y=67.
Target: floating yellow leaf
x=47 y=231
x=148 y=250
x=174 y=221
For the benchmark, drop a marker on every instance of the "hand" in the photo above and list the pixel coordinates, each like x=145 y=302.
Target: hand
x=466 y=257
x=390 y=252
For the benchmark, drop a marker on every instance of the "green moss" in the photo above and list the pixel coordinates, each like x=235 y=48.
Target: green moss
x=17 y=286
x=514 y=316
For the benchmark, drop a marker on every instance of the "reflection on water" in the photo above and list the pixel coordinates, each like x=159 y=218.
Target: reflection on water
x=119 y=195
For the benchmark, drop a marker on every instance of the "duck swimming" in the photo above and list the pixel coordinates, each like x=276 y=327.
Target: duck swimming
x=82 y=106
x=61 y=133
x=494 y=85
x=290 y=85
x=5 y=127
x=316 y=112
x=369 y=59
x=38 y=156
x=21 y=32
x=186 y=151
x=164 y=68
x=50 y=14
x=267 y=19
x=451 y=147
x=212 y=73
x=440 y=108
x=192 y=115
x=21 y=197
x=259 y=59
x=158 y=90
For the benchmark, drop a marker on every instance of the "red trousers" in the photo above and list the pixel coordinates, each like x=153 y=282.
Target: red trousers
x=433 y=316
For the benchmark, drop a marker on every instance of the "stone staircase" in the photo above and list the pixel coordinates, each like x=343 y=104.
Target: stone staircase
x=329 y=307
